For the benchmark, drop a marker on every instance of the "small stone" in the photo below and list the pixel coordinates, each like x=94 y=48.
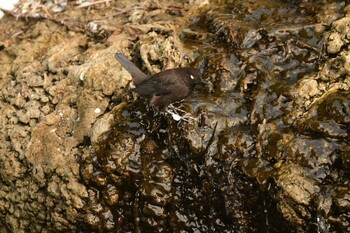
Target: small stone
x=35 y=81
x=19 y=101
x=44 y=99
x=46 y=109
x=23 y=116
x=13 y=120
x=309 y=88
x=335 y=43
x=97 y=110
x=32 y=122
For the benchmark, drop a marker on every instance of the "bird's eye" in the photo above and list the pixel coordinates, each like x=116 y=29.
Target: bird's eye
x=191 y=77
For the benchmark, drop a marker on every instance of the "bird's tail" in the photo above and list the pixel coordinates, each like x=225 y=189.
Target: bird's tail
x=137 y=75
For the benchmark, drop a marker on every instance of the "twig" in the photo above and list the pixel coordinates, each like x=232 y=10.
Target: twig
x=87 y=4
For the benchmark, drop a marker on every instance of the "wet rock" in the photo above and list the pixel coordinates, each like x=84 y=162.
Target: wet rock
x=338 y=37
x=293 y=184
x=335 y=69
x=101 y=126
x=296 y=191
x=309 y=88
x=268 y=143
x=329 y=116
x=90 y=107
x=166 y=50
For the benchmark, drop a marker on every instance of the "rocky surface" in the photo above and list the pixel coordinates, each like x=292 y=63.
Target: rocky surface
x=267 y=148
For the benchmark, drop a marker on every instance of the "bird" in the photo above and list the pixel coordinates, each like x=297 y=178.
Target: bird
x=164 y=88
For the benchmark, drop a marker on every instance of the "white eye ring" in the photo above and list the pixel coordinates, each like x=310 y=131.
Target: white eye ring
x=191 y=77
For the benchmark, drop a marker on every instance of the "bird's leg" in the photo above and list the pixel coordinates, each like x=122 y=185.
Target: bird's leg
x=175 y=109
x=171 y=111
x=174 y=112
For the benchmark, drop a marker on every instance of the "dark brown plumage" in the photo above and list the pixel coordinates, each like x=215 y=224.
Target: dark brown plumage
x=164 y=88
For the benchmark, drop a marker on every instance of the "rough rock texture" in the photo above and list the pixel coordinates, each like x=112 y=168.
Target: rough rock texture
x=52 y=94
x=265 y=148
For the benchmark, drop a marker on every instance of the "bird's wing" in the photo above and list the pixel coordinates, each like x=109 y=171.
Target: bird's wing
x=152 y=87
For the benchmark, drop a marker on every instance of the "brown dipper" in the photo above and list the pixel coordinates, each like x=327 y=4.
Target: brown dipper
x=164 y=88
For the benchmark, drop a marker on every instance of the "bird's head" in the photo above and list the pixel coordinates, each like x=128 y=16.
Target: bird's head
x=195 y=77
